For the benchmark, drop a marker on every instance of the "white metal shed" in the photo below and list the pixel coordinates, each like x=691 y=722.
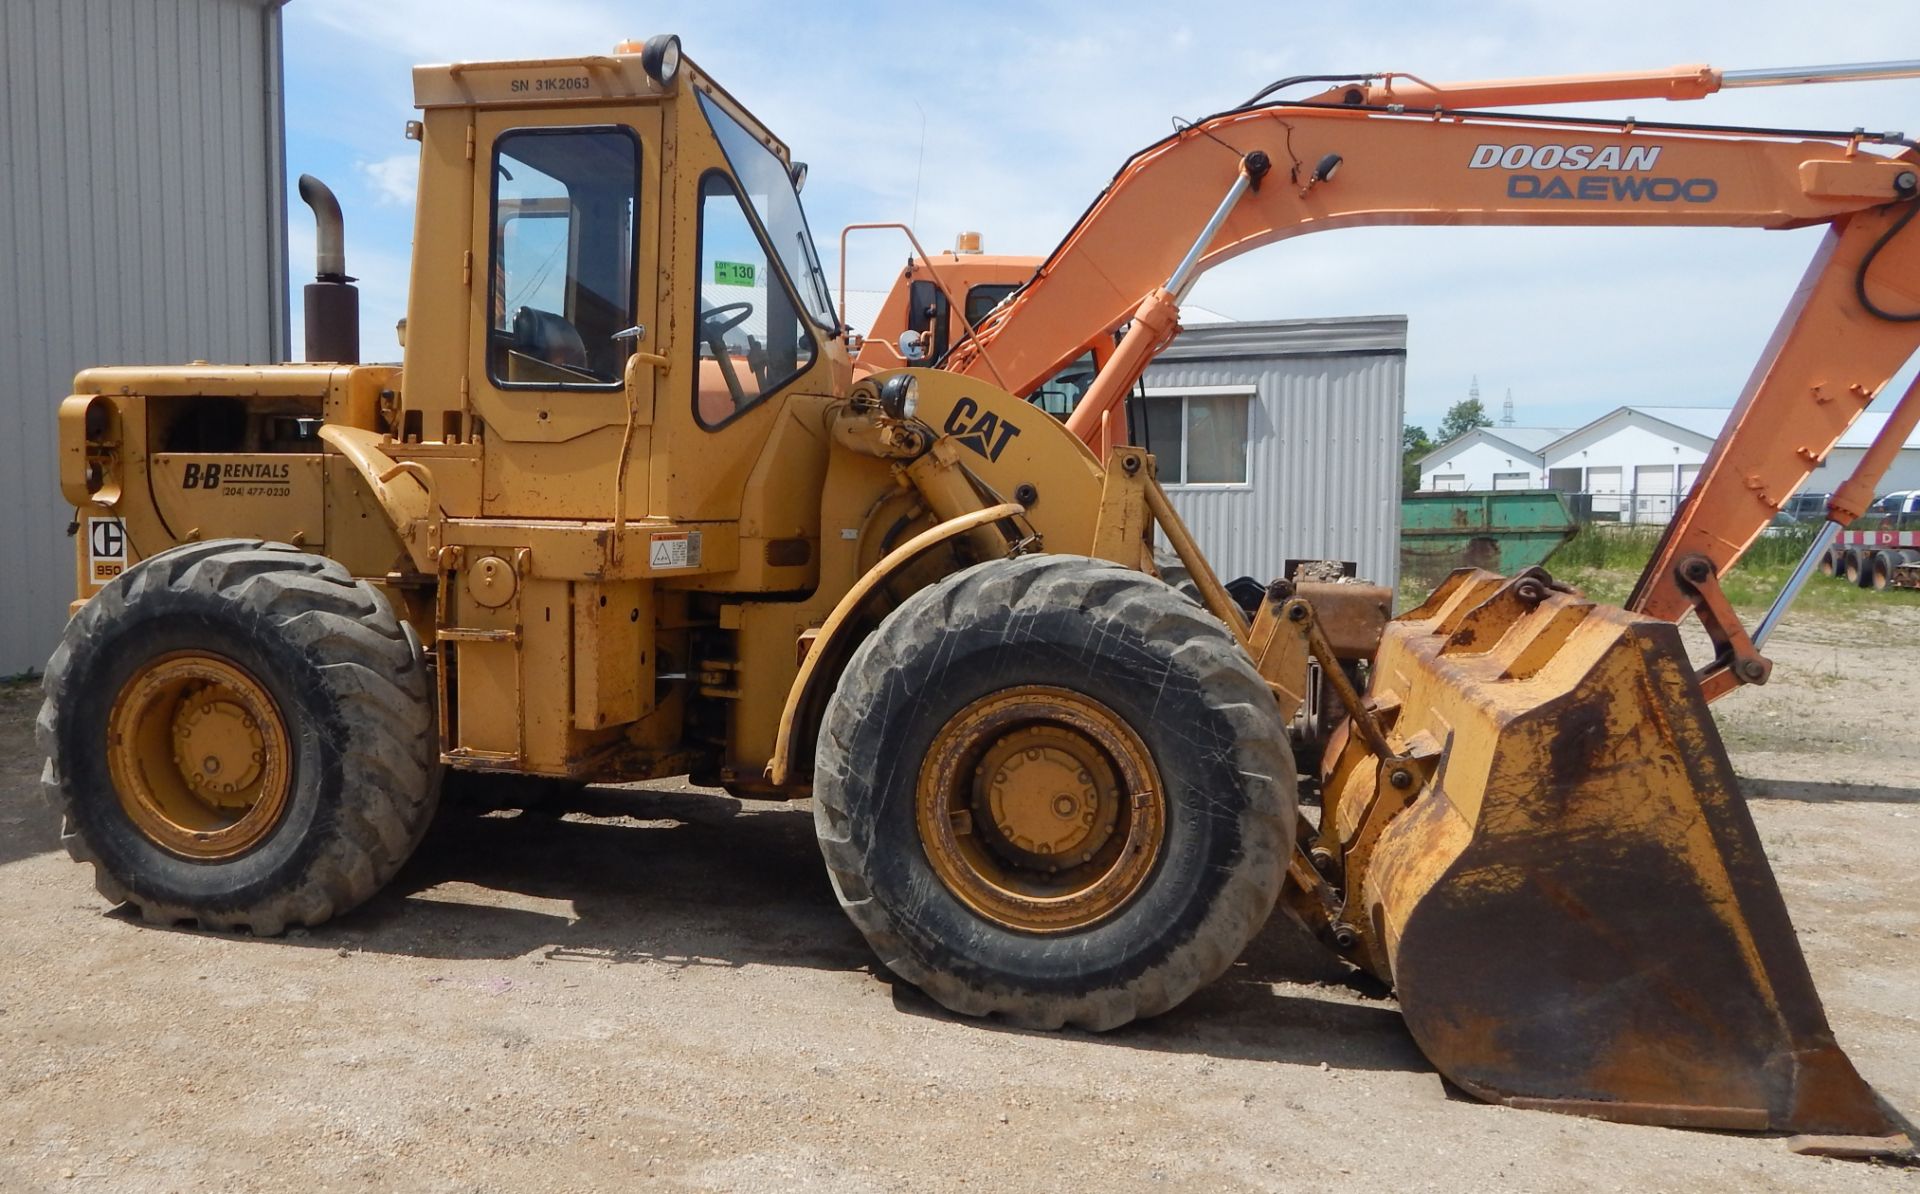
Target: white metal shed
x=1280 y=440
x=145 y=222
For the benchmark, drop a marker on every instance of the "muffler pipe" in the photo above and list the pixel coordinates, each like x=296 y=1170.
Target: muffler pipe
x=332 y=301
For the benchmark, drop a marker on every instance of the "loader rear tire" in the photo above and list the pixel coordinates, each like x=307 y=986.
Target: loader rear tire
x=241 y=734
x=1138 y=864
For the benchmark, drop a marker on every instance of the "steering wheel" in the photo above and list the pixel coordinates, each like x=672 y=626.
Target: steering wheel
x=715 y=323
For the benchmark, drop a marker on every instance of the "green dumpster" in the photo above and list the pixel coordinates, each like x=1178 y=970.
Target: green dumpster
x=1502 y=532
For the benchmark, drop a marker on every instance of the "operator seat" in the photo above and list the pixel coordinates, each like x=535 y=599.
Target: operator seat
x=548 y=337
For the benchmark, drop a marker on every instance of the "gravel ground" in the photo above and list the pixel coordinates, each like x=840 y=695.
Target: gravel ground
x=658 y=991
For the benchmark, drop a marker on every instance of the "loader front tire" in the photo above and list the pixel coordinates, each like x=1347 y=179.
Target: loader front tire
x=241 y=734
x=1055 y=790
x=1173 y=572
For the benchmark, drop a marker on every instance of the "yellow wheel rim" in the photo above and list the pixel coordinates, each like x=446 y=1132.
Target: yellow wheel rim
x=1040 y=809
x=199 y=756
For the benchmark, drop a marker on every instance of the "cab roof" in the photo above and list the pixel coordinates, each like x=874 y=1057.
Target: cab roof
x=570 y=82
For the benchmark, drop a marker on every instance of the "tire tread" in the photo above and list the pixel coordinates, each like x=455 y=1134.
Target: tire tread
x=375 y=669
x=924 y=627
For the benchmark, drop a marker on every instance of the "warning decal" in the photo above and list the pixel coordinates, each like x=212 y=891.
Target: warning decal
x=106 y=549
x=674 y=549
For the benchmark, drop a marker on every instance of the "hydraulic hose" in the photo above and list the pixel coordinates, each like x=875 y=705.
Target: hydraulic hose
x=1866 y=263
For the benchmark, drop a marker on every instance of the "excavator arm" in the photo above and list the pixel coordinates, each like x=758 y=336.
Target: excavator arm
x=1396 y=150
x=1529 y=825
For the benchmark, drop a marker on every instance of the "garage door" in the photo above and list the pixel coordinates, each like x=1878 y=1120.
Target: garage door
x=1449 y=481
x=1512 y=480
x=1653 y=493
x=1604 y=485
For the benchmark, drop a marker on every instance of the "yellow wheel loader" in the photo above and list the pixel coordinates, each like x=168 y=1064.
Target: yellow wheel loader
x=628 y=511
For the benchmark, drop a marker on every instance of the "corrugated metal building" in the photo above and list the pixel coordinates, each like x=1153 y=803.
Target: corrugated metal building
x=1280 y=440
x=145 y=222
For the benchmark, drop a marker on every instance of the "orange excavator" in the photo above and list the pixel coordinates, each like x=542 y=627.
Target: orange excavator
x=1526 y=766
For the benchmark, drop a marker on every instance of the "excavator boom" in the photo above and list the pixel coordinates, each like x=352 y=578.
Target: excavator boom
x=1344 y=160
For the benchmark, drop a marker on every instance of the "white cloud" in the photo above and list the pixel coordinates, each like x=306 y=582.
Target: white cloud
x=393 y=179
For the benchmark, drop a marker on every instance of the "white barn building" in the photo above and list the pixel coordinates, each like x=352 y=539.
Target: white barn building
x=1903 y=473
x=1490 y=458
x=1635 y=463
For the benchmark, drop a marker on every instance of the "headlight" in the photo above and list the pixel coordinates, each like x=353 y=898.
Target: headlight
x=900 y=395
x=660 y=58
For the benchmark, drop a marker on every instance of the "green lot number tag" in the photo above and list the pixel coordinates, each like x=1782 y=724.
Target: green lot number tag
x=733 y=273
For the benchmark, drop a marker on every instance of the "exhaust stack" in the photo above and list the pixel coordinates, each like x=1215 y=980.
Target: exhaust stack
x=332 y=301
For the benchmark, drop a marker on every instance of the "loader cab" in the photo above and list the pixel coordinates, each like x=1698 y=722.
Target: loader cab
x=612 y=274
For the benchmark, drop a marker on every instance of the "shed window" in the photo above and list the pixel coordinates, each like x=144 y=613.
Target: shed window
x=1199 y=437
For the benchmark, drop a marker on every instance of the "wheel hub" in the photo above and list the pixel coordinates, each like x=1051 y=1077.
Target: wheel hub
x=1044 y=799
x=1040 y=809
x=219 y=749
x=200 y=756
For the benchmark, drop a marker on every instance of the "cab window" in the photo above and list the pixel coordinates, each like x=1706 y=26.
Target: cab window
x=752 y=338
x=1059 y=394
x=982 y=299
x=561 y=286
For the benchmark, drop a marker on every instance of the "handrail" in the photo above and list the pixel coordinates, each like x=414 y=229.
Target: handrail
x=927 y=259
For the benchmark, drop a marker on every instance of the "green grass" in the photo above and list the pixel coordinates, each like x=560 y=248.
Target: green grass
x=1603 y=561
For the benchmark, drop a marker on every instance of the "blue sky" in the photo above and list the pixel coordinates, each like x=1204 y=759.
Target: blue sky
x=1009 y=117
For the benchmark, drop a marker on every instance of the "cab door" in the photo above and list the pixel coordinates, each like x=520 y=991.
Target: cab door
x=566 y=255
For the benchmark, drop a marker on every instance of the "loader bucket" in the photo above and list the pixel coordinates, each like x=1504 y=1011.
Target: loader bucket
x=1573 y=905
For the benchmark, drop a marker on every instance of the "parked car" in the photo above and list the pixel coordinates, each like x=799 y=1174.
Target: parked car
x=1894 y=511
x=1805 y=507
x=1783 y=523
